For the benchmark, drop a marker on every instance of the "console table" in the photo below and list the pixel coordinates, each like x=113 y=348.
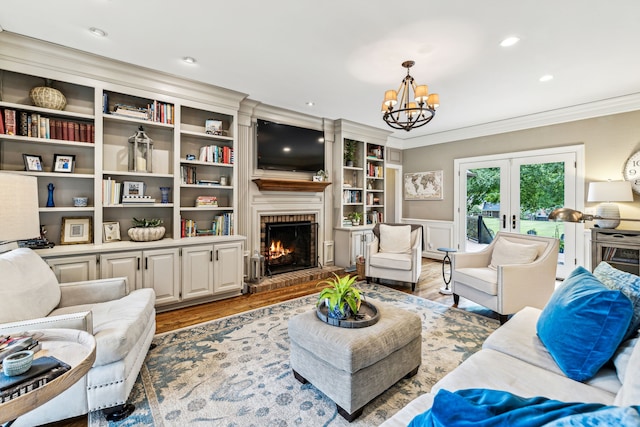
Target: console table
x=620 y=248
x=76 y=348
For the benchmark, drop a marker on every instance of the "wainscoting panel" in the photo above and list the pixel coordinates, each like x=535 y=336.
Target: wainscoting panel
x=435 y=234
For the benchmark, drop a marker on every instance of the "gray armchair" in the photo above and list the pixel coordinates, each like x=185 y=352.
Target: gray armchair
x=514 y=271
x=395 y=253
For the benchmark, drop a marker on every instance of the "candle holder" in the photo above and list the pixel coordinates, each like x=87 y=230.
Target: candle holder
x=140 y=152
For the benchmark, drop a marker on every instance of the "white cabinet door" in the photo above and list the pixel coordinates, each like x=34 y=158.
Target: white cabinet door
x=227 y=267
x=73 y=269
x=161 y=271
x=123 y=264
x=359 y=241
x=197 y=271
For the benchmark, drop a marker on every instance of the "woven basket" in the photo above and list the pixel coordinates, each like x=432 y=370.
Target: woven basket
x=48 y=97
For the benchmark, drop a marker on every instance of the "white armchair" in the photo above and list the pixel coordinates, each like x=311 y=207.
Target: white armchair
x=122 y=322
x=395 y=253
x=514 y=271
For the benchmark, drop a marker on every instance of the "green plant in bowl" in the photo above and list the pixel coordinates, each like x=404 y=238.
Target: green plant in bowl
x=341 y=297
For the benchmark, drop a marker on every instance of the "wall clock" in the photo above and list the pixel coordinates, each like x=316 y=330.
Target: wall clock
x=631 y=171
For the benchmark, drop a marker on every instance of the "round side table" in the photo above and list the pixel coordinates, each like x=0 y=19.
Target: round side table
x=446 y=265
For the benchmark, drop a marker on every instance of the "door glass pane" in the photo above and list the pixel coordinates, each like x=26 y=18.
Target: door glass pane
x=482 y=207
x=542 y=189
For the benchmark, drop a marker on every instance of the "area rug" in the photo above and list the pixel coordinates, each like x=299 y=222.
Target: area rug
x=235 y=371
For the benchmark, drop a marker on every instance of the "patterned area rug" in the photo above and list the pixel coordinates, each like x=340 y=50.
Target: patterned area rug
x=235 y=371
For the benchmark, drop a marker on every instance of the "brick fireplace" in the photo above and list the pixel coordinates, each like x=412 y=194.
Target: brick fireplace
x=289 y=242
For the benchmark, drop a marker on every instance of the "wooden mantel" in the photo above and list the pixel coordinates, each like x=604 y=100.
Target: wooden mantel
x=271 y=184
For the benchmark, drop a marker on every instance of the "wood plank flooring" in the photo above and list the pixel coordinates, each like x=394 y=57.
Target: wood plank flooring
x=428 y=287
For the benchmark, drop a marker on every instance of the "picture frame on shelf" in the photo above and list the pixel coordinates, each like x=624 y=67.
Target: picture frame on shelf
x=76 y=230
x=32 y=162
x=64 y=163
x=133 y=188
x=213 y=127
x=111 y=231
x=424 y=185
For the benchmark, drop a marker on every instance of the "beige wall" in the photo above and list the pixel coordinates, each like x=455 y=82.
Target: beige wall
x=608 y=141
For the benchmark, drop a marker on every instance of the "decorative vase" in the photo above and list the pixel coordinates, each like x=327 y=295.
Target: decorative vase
x=164 y=191
x=50 y=203
x=48 y=97
x=146 y=234
x=336 y=313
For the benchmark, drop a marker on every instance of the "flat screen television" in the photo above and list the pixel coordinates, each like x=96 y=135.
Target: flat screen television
x=283 y=147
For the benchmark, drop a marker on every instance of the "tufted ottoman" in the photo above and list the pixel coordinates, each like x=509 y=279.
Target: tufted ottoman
x=352 y=366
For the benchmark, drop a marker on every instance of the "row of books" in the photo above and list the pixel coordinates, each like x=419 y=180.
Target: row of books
x=23 y=123
x=159 y=112
x=216 y=154
x=222 y=225
x=43 y=370
x=111 y=192
x=620 y=255
x=375 y=171
x=374 y=217
x=351 y=196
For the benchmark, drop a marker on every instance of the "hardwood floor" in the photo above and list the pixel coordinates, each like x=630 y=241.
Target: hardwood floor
x=428 y=287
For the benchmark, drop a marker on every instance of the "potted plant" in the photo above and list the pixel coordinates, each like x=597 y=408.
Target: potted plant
x=146 y=230
x=355 y=217
x=349 y=152
x=341 y=297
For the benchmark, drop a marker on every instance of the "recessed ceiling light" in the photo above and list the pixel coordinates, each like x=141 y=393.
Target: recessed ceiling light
x=509 y=41
x=189 y=59
x=310 y=103
x=98 y=32
x=546 y=78
x=286 y=149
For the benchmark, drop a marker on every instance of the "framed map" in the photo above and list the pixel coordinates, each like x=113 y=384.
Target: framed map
x=423 y=185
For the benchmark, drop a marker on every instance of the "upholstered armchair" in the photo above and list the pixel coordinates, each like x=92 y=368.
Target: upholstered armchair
x=122 y=322
x=395 y=253
x=514 y=271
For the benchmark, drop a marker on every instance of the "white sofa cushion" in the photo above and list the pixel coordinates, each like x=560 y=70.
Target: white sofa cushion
x=28 y=287
x=118 y=324
x=395 y=239
x=629 y=393
x=506 y=252
x=391 y=261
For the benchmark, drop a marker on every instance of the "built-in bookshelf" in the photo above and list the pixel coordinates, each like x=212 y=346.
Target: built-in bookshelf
x=620 y=248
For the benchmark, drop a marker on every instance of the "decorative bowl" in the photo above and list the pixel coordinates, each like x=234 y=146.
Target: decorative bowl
x=48 y=97
x=146 y=234
x=80 y=202
x=17 y=363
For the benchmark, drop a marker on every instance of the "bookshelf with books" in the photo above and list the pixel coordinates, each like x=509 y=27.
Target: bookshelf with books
x=207 y=172
x=180 y=117
x=358 y=188
x=44 y=133
x=620 y=248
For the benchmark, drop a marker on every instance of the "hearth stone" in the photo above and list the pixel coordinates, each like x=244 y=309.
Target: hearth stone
x=292 y=278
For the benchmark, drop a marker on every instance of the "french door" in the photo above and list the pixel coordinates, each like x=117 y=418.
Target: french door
x=516 y=194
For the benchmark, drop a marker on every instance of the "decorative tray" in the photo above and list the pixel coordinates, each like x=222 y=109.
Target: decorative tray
x=367 y=316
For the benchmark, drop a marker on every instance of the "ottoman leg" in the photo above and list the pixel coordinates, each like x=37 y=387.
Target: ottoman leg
x=347 y=416
x=299 y=377
x=412 y=373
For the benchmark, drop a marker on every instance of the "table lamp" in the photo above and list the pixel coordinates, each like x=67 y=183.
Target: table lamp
x=19 y=217
x=609 y=192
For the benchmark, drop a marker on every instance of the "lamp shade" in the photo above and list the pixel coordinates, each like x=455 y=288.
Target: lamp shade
x=610 y=191
x=19 y=217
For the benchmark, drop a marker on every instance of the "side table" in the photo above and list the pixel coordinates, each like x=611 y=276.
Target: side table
x=76 y=348
x=446 y=275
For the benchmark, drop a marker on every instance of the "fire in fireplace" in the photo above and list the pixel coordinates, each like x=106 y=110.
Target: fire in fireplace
x=290 y=246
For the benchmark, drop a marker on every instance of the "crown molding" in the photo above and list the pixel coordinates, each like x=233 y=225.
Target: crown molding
x=605 y=107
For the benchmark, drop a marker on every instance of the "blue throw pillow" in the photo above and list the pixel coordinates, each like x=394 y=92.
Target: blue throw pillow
x=628 y=284
x=583 y=323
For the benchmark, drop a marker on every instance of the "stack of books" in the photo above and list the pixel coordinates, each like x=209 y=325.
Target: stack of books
x=138 y=200
x=205 y=201
x=43 y=370
x=131 y=111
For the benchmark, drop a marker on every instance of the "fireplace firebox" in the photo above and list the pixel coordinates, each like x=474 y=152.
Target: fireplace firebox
x=290 y=246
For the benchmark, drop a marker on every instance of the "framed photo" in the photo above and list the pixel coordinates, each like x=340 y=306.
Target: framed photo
x=133 y=188
x=76 y=230
x=64 y=163
x=111 y=231
x=213 y=127
x=32 y=163
x=423 y=185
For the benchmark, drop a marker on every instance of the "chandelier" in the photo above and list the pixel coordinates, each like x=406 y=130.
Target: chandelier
x=406 y=111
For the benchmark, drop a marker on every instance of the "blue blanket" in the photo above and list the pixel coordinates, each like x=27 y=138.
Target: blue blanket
x=484 y=408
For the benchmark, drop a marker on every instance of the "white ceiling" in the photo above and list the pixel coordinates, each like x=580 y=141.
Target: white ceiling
x=343 y=54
